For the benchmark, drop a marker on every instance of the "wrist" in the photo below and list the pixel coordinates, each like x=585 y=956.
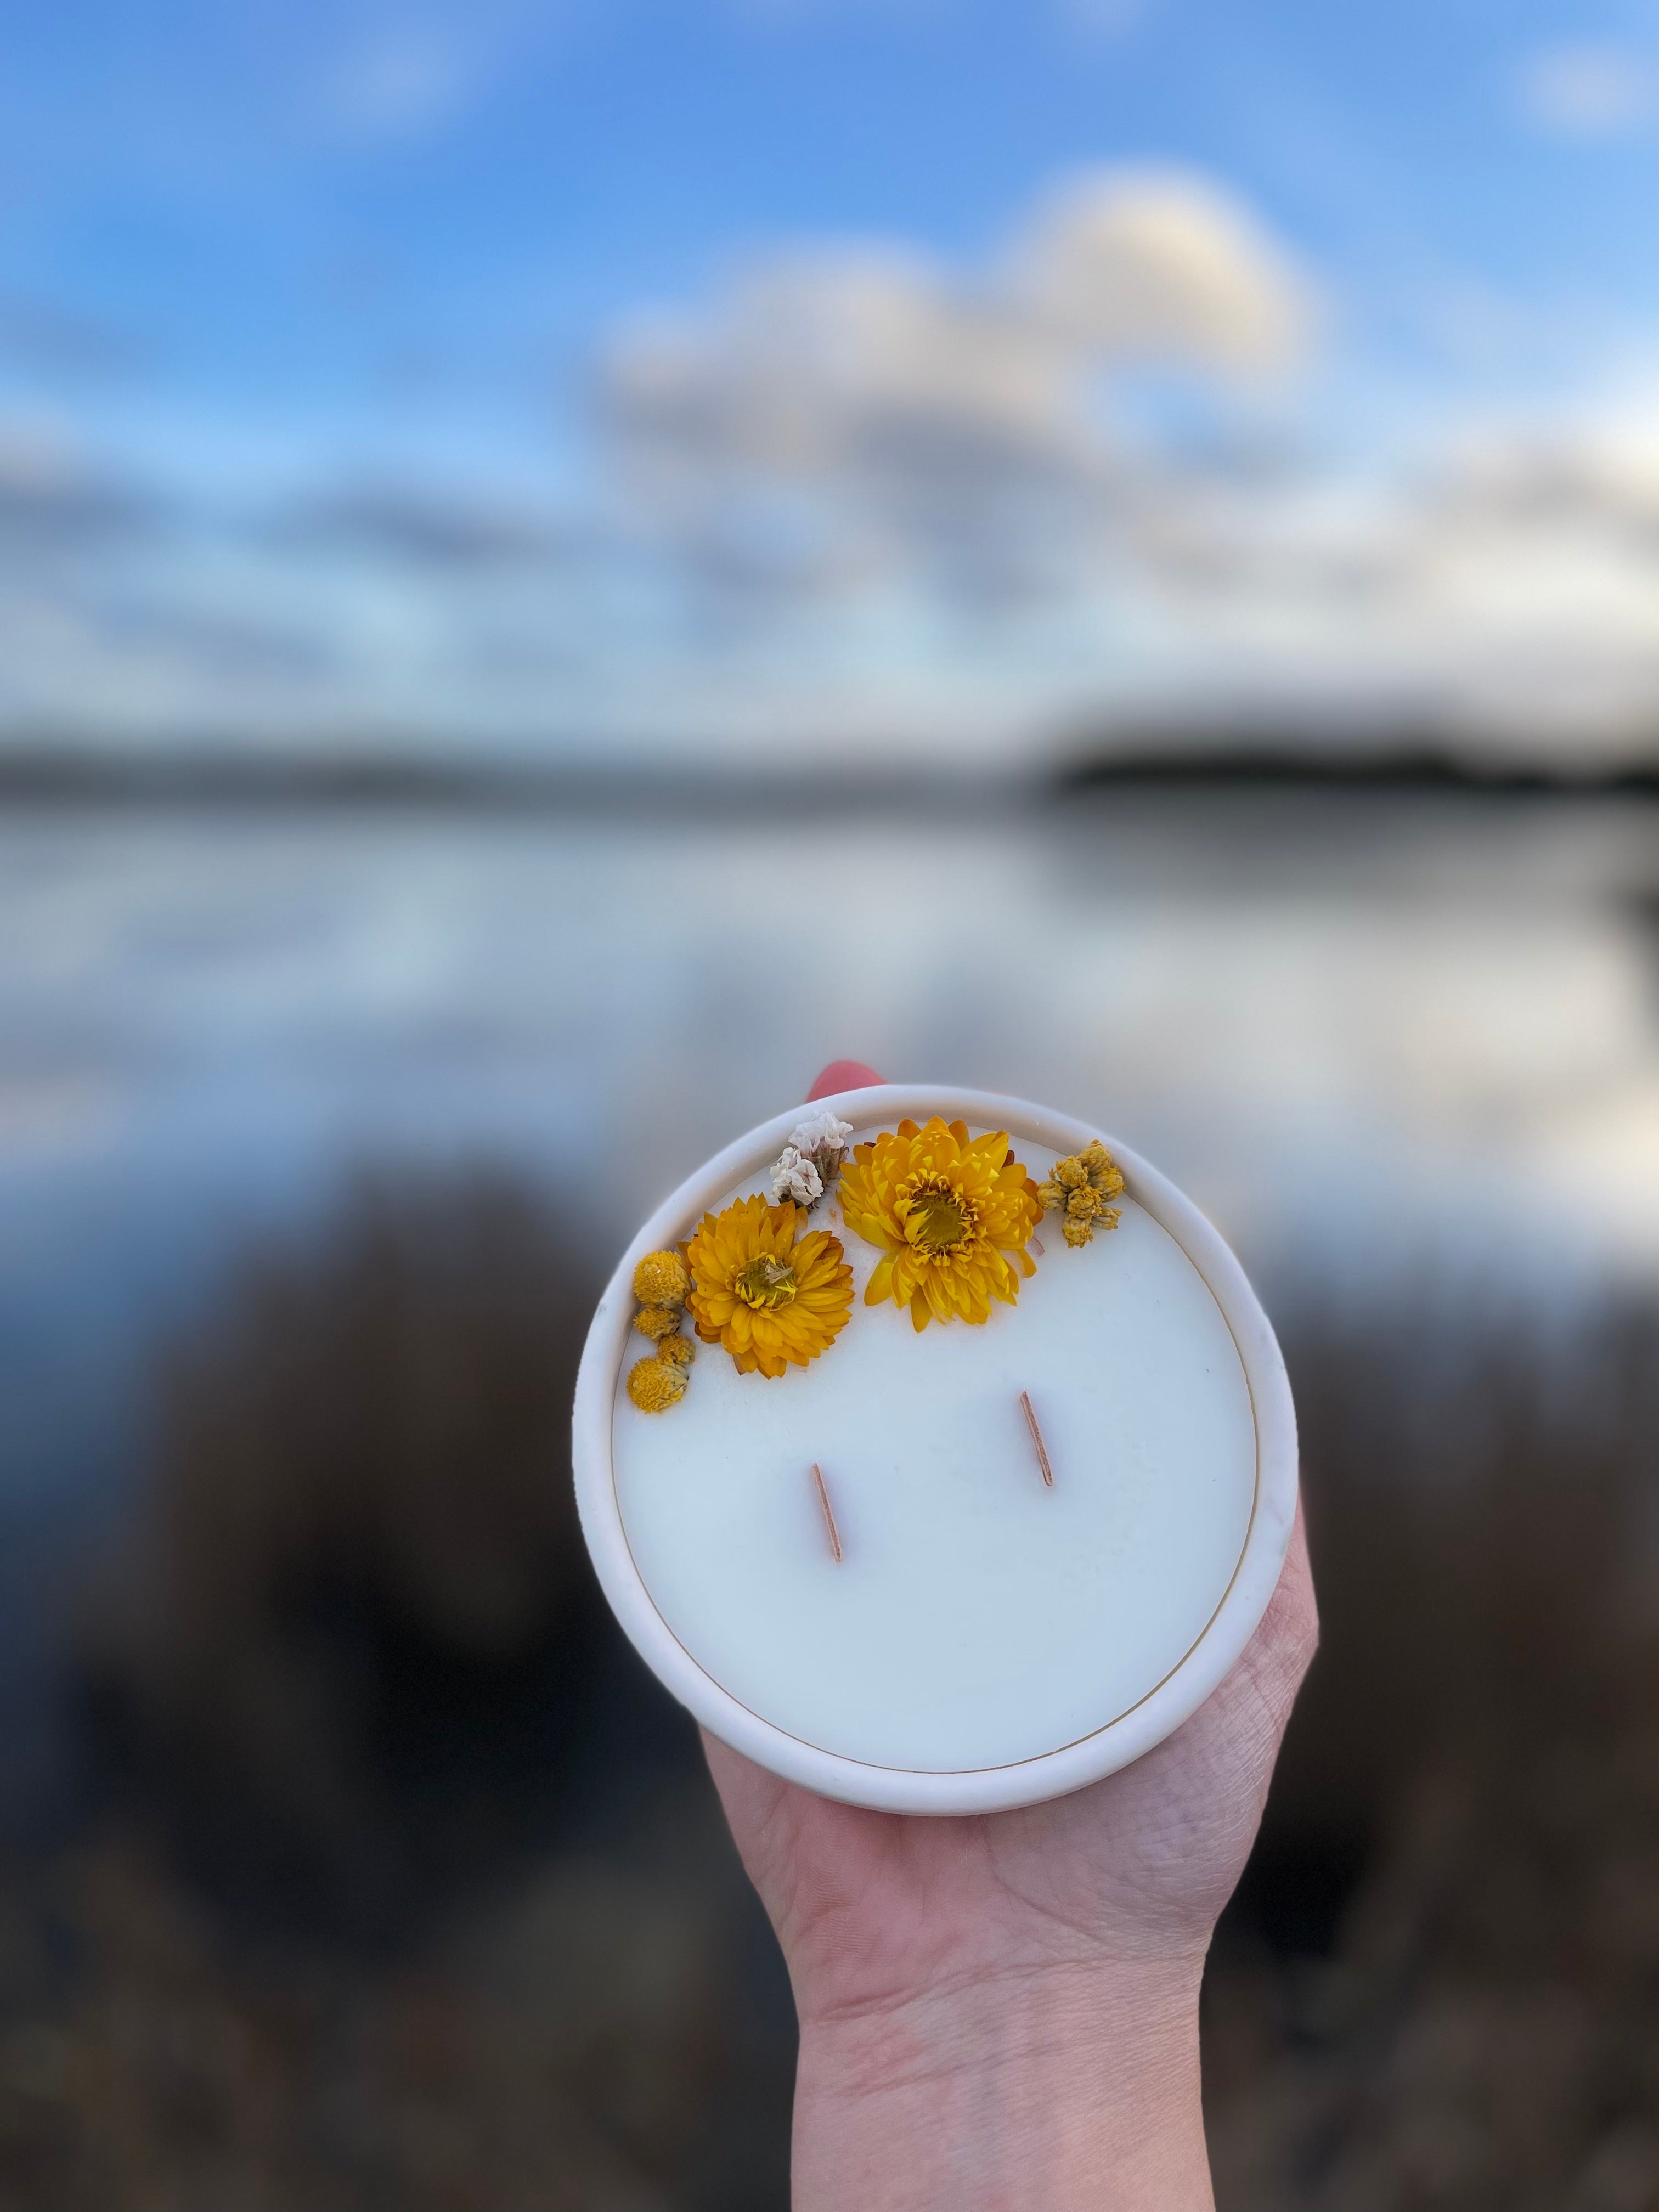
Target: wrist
x=1060 y=2089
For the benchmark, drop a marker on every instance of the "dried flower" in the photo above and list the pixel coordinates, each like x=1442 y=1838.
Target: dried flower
x=796 y=1179
x=1103 y=1172
x=821 y=1132
x=654 y=1385
x=953 y=1218
x=662 y=1284
x=657 y=1320
x=661 y=1280
x=769 y=1298
x=1079 y=1188
x=811 y=1161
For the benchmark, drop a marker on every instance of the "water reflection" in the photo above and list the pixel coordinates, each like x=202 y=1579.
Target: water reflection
x=329 y=1774
x=1374 y=1026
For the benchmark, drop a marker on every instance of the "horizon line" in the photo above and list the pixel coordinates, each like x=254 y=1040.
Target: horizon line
x=378 y=775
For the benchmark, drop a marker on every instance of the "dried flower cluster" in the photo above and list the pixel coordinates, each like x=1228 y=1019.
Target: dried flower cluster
x=811 y=1161
x=662 y=1284
x=953 y=1216
x=1078 y=1190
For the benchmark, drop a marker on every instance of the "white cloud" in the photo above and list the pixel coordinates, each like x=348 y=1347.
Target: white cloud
x=843 y=434
x=809 y=356
x=882 y=415
x=55 y=499
x=1508 y=583
x=1161 y=265
x=1589 y=91
x=861 y=493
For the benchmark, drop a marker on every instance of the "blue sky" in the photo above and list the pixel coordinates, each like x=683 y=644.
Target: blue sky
x=768 y=376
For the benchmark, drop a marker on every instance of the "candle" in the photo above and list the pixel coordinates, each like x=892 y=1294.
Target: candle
x=964 y=1567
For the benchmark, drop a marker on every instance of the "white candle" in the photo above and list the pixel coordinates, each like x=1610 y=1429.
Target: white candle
x=985 y=1635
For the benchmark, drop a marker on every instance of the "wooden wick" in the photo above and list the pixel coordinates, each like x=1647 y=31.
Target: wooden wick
x=1036 y=1438
x=828 y=1513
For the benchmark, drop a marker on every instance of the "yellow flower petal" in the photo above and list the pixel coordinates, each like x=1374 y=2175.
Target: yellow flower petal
x=950 y=1214
x=773 y=1299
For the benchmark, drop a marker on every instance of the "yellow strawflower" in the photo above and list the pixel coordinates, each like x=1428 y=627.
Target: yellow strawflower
x=952 y=1217
x=771 y=1298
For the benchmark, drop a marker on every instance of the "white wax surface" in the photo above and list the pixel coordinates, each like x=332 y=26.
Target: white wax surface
x=978 y=1618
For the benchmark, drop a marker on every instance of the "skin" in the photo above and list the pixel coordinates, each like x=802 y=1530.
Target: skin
x=1002 y=2012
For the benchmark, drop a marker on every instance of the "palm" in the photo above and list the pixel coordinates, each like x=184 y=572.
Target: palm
x=870 y=1906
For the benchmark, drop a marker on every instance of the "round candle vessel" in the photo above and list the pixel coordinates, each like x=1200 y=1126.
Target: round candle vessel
x=965 y=1569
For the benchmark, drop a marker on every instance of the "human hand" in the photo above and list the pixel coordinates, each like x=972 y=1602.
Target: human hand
x=1002 y=2011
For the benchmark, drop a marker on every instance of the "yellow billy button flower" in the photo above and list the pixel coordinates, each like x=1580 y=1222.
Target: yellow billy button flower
x=654 y=1385
x=772 y=1299
x=952 y=1217
x=660 y=1279
x=657 y=1320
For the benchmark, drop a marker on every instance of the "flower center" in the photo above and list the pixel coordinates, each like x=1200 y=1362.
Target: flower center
x=939 y=1218
x=765 y=1283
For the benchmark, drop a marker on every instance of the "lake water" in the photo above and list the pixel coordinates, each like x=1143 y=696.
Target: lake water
x=1369 y=1034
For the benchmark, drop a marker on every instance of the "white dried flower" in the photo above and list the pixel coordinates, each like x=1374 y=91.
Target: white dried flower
x=824 y=1132
x=796 y=1177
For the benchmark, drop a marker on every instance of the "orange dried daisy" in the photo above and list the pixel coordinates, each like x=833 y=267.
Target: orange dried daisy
x=953 y=1216
x=774 y=1299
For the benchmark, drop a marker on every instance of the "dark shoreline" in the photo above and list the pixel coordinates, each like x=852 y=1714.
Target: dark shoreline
x=48 y=777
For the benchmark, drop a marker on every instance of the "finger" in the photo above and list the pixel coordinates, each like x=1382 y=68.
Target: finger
x=842 y=1075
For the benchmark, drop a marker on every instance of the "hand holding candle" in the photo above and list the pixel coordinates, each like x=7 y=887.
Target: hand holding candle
x=1003 y=2009
x=947 y=1521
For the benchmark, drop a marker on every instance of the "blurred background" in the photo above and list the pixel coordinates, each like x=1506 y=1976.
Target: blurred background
x=561 y=565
